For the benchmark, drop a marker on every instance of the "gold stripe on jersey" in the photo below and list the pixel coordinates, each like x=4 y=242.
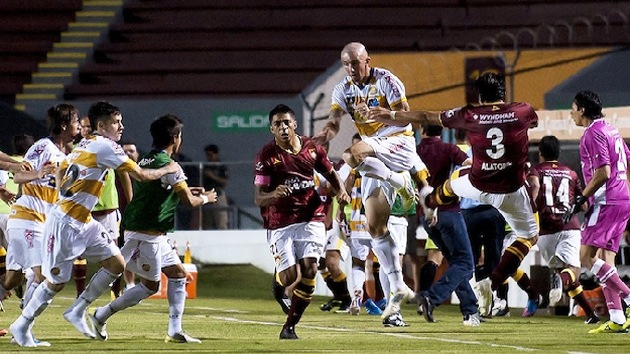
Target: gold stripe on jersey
x=44 y=193
x=127 y=166
x=84 y=158
x=93 y=187
x=180 y=186
x=21 y=212
x=75 y=210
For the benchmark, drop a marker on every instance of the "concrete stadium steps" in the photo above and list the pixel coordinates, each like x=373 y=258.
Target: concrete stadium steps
x=74 y=46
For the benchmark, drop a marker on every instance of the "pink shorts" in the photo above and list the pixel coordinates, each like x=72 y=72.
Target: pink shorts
x=603 y=228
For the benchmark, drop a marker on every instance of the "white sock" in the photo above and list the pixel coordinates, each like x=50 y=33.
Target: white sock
x=176 y=293
x=42 y=297
x=29 y=291
x=386 y=250
x=382 y=276
x=358 y=278
x=617 y=316
x=100 y=282
x=129 y=298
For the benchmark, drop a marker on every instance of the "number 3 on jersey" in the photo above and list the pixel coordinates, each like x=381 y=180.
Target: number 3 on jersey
x=498 y=149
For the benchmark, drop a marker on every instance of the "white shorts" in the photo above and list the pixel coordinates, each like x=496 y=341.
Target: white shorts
x=294 y=242
x=111 y=223
x=25 y=248
x=146 y=255
x=561 y=248
x=360 y=248
x=515 y=207
x=397 y=152
x=63 y=244
x=397 y=226
x=334 y=241
x=369 y=184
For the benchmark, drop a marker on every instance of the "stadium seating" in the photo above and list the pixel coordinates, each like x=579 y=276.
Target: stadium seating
x=27 y=32
x=199 y=47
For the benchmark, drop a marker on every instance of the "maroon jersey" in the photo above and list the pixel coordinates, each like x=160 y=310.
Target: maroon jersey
x=498 y=137
x=559 y=185
x=275 y=166
x=440 y=159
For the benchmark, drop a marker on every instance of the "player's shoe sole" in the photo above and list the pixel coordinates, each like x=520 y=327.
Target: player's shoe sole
x=181 y=338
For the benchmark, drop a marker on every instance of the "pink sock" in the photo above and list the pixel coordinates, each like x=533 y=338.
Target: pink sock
x=613 y=301
x=609 y=276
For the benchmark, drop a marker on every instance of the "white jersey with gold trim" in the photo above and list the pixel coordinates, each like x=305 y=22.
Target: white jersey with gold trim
x=383 y=89
x=83 y=181
x=36 y=197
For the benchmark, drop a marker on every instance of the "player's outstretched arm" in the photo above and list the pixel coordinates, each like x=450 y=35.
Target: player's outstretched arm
x=331 y=128
x=400 y=118
x=147 y=174
x=195 y=196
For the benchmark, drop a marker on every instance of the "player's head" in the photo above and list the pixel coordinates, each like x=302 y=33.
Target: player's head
x=106 y=119
x=460 y=135
x=356 y=61
x=21 y=144
x=432 y=130
x=167 y=131
x=86 y=126
x=212 y=152
x=356 y=138
x=491 y=87
x=282 y=123
x=588 y=104
x=549 y=148
x=130 y=148
x=63 y=119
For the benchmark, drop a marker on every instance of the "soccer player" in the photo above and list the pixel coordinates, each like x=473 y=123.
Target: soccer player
x=554 y=187
x=604 y=159
x=70 y=231
x=448 y=232
x=382 y=157
x=329 y=265
x=148 y=218
x=497 y=132
x=25 y=226
x=291 y=209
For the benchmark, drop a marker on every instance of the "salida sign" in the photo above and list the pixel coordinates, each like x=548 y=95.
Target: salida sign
x=242 y=122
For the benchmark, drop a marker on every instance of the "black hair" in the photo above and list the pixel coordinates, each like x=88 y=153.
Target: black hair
x=281 y=109
x=126 y=142
x=356 y=136
x=491 y=87
x=164 y=128
x=59 y=115
x=549 y=147
x=432 y=130
x=21 y=143
x=101 y=111
x=591 y=103
x=212 y=148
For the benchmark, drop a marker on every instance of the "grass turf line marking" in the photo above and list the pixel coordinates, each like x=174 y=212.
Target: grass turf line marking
x=399 y=335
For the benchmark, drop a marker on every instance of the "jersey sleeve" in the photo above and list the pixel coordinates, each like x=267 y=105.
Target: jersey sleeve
x=4 y=178
x=599 y=149
x=394 y=89
x=454 y=118
x=113 y=156
x=262 y=171
x=323 y=164
x=35 y=155
x=338 y=99
x=175 y=180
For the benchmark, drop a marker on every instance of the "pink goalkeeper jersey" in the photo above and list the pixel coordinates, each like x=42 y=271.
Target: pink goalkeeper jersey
x=601 y=145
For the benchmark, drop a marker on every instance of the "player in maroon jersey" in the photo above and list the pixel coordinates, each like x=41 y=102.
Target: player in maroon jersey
x=554 y=187
x=291 y=208
x=497 y=132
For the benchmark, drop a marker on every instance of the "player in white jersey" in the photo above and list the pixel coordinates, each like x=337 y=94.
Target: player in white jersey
x=70 y=231
x=25 y=226
x=383 y=157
